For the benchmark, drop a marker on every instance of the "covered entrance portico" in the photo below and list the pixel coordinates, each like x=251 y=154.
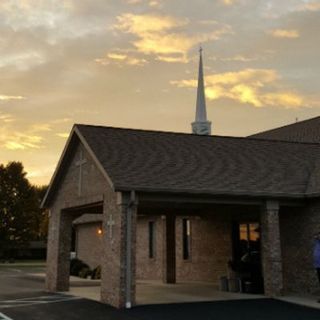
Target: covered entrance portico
x=202 y=238
x=197 y=243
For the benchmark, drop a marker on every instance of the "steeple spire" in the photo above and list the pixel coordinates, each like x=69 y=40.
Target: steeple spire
x=201 y=125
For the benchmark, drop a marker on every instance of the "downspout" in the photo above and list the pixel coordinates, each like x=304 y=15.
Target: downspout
x=131 y=204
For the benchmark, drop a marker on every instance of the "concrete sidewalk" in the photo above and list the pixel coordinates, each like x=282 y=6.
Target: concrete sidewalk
x=74 y=281
x=156 y=292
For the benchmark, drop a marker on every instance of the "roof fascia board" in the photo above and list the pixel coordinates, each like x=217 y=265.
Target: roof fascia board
x=216 y=193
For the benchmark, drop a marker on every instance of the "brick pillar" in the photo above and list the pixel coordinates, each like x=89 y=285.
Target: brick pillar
x=169 y=274
x=58 y=252
x=271 y=249
x=115 y=278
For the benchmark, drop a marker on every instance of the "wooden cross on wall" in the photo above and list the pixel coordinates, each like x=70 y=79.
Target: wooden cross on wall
x=80 y=164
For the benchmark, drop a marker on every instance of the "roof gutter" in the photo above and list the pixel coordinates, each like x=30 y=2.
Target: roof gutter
x=220 y=193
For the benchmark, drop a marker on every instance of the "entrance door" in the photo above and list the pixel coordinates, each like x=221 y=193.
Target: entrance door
x=247 y=255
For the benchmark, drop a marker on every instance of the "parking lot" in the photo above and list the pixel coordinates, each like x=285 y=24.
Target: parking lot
x=22 y=298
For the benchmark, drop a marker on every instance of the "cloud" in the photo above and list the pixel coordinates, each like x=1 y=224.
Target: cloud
x=162 y=35
x=228 y=2
x=155 y=4
x=258 y=87
x=6 y=118
x=144 y=24
x=310 y=6
x=21 y=141
x=4 y=97
x=41 y=127
x=62 y=120
x=63 y=135
x=134 y=1
x=150 y=3
x=283 y=33
x=33 y=13
x=121 y=58
x=13 y=138
x=40 y=171
x=22 y=60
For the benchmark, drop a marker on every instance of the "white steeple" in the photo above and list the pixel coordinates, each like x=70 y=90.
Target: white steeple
x=201 y=125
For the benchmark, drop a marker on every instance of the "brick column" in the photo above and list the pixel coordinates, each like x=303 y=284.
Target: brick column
x=169 y=274
x=271 y=249
x=58 y=252
x=115 y=277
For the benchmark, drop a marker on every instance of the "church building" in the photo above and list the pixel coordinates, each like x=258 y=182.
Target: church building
x=151 y=205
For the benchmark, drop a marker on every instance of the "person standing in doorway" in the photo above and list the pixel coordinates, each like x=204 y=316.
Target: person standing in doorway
x=316 y=255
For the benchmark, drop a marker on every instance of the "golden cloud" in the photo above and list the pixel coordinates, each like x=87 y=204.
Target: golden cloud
x=63 y=134
x=311 y=6
x=44 y=171
x=119 y=58
x=21 y=141
x=141 y=24
x=228 y=2
x=258 y=87
x=30 y=138
x=283 y=33
x=160 y=35
x=41 y=127
x=155 y=3
x=134 y=1
x=6 y=118
x=7 y=98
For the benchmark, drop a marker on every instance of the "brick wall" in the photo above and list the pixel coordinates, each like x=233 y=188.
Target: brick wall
x=149 y=268
x=89 y=244
x=94 y=187
x=297 y=227
x=211 y=248
x=93 y=183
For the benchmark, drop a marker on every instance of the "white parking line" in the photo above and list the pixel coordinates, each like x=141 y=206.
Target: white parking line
x=23 y=302
x=4 y=317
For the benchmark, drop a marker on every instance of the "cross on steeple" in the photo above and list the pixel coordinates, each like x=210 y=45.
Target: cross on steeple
x=79 y=164
x=201 y=125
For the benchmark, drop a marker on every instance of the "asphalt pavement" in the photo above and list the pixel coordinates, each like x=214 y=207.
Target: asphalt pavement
x=26 y=299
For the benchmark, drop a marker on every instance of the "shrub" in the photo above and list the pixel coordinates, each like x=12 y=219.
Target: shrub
x=96 y=273
x=76 y=265
x=84 y=272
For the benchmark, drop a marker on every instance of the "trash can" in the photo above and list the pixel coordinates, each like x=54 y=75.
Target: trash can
x=224 y=285
x=234 y=285
x=248 y=287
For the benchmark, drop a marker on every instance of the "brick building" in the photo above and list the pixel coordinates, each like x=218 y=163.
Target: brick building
x=177 y=206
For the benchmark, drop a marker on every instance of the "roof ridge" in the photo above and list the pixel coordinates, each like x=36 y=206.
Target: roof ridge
x=284 y=126
x=192 y=134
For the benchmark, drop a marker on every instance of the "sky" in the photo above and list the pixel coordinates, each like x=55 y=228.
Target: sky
x=134 y=64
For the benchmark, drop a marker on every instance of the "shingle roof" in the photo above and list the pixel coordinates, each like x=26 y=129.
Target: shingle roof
x=171 y=162
x=303 y=131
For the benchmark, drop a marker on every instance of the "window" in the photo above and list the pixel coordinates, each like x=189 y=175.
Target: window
x=248 y=241
x=186 y=238
x=151 y=239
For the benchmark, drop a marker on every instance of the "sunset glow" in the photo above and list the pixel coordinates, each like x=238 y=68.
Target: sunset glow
x=134 y=63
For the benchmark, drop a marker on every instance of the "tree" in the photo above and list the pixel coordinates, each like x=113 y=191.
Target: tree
x=40 y=228
x=19 y=208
